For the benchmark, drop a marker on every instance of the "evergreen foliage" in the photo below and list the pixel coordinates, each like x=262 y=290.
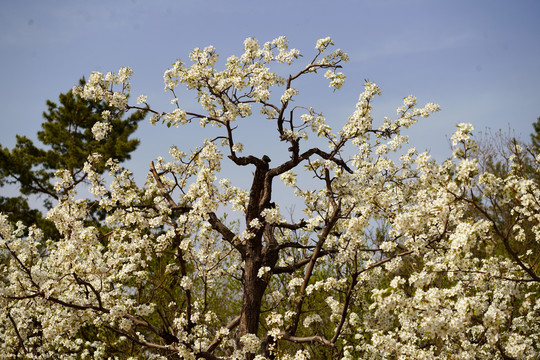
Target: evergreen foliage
x=66 y=141
x=535 y=136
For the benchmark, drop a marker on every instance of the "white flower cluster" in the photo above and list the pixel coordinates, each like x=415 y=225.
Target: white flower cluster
x=99 y=87
x=360 y=121
x=322 y=44
x=336 y=79
x=394 y=256
x=289 y=93
x=251 y=343
x=100 y=130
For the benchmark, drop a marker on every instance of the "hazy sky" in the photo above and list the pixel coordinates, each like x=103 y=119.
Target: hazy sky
x=478 y=59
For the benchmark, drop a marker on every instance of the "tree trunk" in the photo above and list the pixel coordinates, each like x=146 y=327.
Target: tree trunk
x=254 y=289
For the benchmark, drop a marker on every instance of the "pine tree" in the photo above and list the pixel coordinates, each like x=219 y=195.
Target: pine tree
x=66 y=142
x=535 y=136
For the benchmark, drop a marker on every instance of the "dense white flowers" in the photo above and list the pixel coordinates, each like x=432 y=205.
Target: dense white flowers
x=100 y=130
x=99 y=87
x=322 y=44
x=391 y=255
x=251 y=343
x=288 y=95
x=336 y=79
x=463 y=133
x=176 y=118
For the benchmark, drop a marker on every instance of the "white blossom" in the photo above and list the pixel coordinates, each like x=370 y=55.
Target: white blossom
x=100 y=130
x=389 y=254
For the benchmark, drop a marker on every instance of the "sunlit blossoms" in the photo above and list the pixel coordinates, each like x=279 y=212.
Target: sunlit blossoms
x=100 y=130
x=367 y=250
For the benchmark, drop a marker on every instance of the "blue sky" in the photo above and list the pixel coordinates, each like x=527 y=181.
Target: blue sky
x=478 y=59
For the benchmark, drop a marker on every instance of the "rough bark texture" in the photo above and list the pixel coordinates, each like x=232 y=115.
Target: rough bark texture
x=254 y=287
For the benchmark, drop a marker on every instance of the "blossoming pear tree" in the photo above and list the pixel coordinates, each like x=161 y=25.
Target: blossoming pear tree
x=394 y=255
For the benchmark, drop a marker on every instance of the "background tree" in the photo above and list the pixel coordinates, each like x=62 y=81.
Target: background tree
x=173 y=277
x=504 y=154
x=535 y=135
x=67 y=141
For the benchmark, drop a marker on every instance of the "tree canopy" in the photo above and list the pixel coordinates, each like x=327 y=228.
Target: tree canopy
x=67 y=141
x=394 y=255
